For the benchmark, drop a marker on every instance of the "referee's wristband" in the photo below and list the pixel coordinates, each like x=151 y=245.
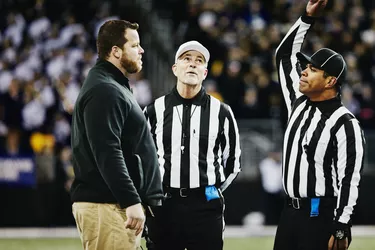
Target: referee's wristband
x=340 y=230
x=308 y=19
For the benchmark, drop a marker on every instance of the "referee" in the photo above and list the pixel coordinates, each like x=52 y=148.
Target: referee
x=323 y=147
x=199 y=156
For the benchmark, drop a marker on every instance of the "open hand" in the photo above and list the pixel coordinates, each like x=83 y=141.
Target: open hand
x=315 y=7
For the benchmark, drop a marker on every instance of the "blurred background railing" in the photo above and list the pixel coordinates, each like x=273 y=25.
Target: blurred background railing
x=259 y=137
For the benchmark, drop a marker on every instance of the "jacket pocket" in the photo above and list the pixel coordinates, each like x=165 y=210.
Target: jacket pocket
x=140 y=171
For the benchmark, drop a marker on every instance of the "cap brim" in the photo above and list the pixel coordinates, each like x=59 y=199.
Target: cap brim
x=304 y=60
x=201 y=49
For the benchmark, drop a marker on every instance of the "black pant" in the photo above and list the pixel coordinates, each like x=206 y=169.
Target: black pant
x=297 y=230
x=273 y=205
x=189 y=222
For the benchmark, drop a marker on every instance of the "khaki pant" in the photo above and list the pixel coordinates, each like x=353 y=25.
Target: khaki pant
x=102 y=227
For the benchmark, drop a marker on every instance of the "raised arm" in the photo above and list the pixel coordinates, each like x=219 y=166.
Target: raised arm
x=287 y=65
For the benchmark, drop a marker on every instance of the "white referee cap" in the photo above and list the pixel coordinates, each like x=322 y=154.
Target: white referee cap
x=193 y=45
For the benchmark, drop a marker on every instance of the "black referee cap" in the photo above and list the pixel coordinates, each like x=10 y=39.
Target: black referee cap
x=328 y=60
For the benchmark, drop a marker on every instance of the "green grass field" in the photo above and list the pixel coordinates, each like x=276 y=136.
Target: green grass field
x=257 y=243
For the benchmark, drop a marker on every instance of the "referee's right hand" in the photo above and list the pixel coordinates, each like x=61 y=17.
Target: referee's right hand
x=336 y=244
x=135 y=218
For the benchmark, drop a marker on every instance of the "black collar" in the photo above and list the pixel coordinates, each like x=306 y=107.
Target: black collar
x=329 y=105
x=114 y=71
x=198 y=100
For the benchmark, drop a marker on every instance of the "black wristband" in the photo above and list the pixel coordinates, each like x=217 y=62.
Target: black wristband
x=308 y=19
x=340 y=230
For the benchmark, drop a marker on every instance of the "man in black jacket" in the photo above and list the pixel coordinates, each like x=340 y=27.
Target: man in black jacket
x=114 y=156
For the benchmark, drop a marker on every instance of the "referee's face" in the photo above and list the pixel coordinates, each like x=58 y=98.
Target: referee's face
x=313 y=82
x=191 y=68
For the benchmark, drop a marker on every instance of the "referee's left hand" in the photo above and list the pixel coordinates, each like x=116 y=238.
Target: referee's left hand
x=339 y=244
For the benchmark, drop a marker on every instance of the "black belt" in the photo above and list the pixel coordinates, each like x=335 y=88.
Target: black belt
x=305 y=203
x=184 y=192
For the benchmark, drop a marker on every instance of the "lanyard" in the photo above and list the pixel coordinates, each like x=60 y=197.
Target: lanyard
x=184 y=132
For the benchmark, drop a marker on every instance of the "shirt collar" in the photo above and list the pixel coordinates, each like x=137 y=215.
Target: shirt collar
x=115 y=72
x=198 y=100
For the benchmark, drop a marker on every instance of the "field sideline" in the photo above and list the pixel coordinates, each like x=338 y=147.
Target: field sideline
x=236 y=238
x=253 y=243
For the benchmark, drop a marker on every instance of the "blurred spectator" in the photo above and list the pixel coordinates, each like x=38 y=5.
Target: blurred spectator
x=64 y=178
x=46 y=177
x=33 y=112
x=141 y=89
x=13 y=104
x=250 y=107
x=6 y=77
x=231 y=85
x=211 y=89
x=68 y=90
x=367 y=113
x=349 y=101
x=270 y=172
x=12 y=147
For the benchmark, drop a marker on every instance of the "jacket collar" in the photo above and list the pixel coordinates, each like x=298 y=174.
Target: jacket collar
x=115 y=72
x=198 y=100
x=329 y=105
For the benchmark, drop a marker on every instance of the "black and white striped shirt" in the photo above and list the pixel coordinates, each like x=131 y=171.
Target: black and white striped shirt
x=197 y=140
x=323 y=147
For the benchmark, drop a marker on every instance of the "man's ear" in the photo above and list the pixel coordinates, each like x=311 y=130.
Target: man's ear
x=174 y=69
x=332 y=81
x=205 y=74
x=116 y=52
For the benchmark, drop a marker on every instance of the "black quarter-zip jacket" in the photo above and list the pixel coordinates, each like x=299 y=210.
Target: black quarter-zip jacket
x=114 y=156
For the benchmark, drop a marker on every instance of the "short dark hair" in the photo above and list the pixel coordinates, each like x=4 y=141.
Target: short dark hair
x=112 y=33
x=338 y=83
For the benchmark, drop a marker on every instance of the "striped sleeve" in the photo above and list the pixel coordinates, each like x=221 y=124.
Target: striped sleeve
x=231 y=152
x=149 y=112
x=286 y=60
x=147 y=117
x=350 y=155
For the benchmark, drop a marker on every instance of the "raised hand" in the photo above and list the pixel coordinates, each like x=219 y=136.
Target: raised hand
x=314 y=8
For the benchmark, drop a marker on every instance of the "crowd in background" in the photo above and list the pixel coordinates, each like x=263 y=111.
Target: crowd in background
x=47 y=48
x=242 y=36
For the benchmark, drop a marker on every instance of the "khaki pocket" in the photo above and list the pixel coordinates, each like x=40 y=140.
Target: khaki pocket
x=86 y=217
x=121 y=212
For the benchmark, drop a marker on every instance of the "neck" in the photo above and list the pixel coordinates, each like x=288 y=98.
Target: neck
x=326 y=95
x=188 y=91
x=117 y=64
